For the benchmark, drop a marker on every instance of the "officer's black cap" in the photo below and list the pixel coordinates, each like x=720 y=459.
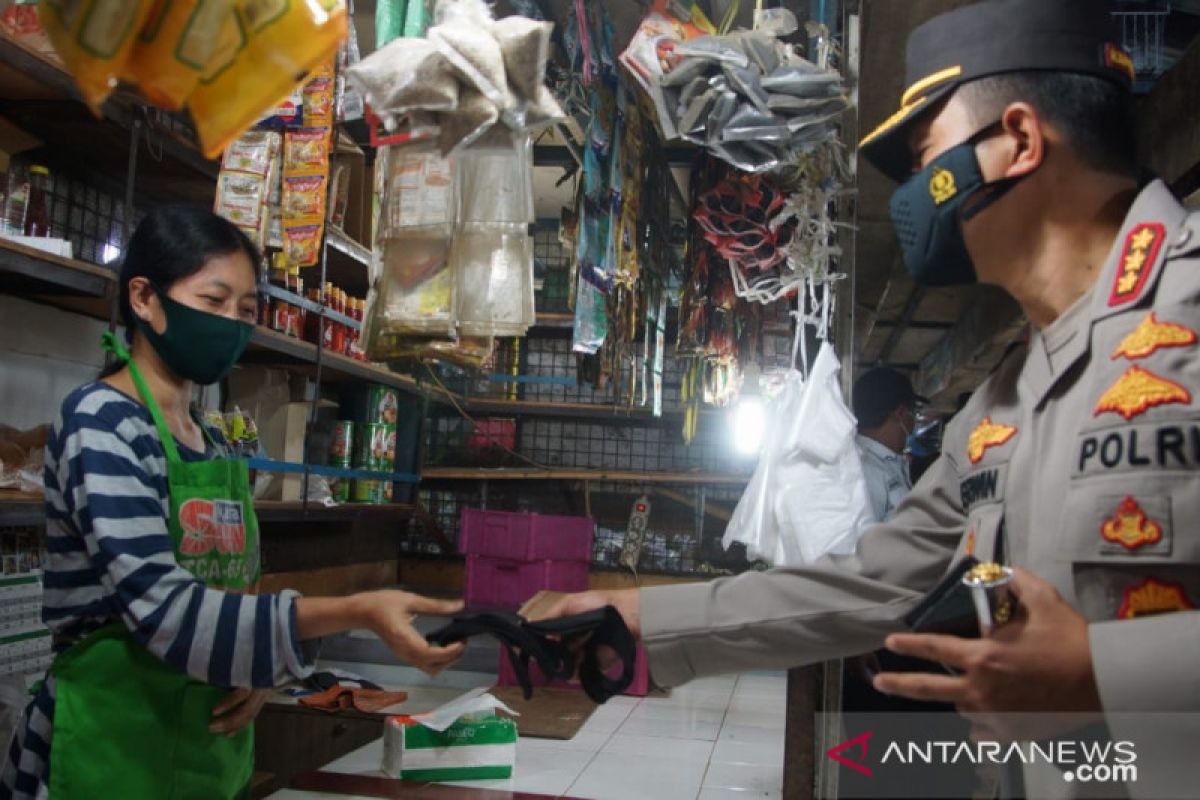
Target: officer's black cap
x=992 y=37
x=879 y=392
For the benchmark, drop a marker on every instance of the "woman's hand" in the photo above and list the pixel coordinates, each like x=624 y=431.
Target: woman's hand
x=389 y=614
x=237 y=710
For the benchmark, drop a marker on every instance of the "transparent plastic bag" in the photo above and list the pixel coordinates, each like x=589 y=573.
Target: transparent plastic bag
x=406 y=75
x=414 y=294
x=496 y=186
x=493 y=270
x=421 y=193
x=249 y=75
x=94 y=39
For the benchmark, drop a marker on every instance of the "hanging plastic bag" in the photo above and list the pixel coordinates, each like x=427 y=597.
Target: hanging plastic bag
x=178 y=40
x=251 y=72
x=94 y=39
x=753 y=522
x=405 y=75
x=821 y=505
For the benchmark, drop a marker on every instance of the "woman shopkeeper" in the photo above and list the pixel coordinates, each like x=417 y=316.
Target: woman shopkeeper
x=159 y=672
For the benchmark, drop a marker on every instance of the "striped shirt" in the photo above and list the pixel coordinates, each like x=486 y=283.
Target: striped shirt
x=110 y=557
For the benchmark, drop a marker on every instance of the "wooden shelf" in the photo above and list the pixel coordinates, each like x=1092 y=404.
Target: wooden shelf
x=38 y=95
x=598 y=475
x=267 y=345
x=21 y=508
x=294 y=511
x=29 y=271
x=18 y=508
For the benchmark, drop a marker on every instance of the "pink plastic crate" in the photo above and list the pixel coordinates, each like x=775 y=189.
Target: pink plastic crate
x=525 y=537
x=639 y=688
x=509 y=583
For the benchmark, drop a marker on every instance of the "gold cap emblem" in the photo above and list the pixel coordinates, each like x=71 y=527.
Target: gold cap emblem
x=941 y=185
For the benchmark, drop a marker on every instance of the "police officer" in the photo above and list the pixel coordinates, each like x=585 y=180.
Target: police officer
x=1014 y=152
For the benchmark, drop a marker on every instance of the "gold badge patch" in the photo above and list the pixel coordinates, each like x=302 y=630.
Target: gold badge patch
x=1152 y=334
x=1138 y=390
x=941 y=186
x=1130 y=527
x=1116 y=58
x=1153 y=597
x=1137 y=262
x=987 y=434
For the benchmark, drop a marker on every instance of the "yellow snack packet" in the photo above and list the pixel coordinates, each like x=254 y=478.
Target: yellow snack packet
x=176 y=43
x=274 y=44
x=94 y=39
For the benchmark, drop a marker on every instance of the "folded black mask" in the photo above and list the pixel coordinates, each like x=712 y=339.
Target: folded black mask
x=548 y=644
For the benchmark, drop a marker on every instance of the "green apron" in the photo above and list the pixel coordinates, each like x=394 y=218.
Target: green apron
x=127 y=724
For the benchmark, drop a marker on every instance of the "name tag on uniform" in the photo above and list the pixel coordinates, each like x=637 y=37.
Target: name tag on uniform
x=983 y=486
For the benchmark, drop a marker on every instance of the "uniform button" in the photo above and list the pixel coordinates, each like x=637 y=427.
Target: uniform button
x=1185 y=236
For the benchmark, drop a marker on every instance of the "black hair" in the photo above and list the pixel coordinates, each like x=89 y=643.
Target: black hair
x=1093 y=114
x=171 y=243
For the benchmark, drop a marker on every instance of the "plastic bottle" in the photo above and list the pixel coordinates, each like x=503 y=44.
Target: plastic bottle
x=37 y=211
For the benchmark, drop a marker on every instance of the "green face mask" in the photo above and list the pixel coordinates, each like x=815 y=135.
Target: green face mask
x=196 y=345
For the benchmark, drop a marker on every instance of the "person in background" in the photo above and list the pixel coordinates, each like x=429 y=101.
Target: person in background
x=164 y=651
x=886 y=408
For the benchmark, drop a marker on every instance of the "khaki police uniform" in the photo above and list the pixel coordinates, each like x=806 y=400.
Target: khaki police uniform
x=1081 y=450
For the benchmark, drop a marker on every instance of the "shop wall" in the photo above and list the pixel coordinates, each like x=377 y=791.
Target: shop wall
x=44 y=354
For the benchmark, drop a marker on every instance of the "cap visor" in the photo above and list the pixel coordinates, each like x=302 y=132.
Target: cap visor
x=887 y=146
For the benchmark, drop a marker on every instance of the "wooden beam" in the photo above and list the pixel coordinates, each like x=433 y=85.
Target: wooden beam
x=711 y=509
x=1167 y=126
x=992 y=318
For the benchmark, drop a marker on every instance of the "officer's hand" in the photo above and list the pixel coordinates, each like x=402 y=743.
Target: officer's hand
x=390 y=613
x=1039 y=662
x=237 y=710
x=626 y=601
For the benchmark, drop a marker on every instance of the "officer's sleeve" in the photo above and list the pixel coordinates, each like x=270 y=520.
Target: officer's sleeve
x=787 y=617
x=1129 y=681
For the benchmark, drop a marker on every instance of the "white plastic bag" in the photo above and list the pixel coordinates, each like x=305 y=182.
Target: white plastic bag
x=808 y=497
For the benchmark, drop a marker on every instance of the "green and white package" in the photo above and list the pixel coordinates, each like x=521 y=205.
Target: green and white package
x=469 y=749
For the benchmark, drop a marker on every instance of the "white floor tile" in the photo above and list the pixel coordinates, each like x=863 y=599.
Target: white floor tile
x=765 y=753
x=758 y=685
x=612 y=776
x=753 y=777
x=722 y=793
x=539 y=771
x=758 y=719
x=759 y=702
x=584 y=741
x=751 y=734
x=693 y=751
x=676 y=728
x=716 y=684
x=718 y=701
x=708 y=716
x=606 y=719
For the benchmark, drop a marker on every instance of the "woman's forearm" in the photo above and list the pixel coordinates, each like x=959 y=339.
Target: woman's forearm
x=325 y=616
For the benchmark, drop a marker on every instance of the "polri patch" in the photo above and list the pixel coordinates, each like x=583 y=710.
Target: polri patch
x=1151 y=335
x=1138 y=257
x=1153 y=596
x=987 y=434
x=1130 y=527
x=1139 y=390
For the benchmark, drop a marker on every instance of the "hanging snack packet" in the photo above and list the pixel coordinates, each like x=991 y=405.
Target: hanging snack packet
x=251 y=152
x=304 y=196
x=250 y=74
x=306 y=151
x=302 y=244
x=94 y=39
x=177 y=41
x=240 y=198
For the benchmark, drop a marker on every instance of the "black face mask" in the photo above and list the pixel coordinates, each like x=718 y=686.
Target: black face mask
x=929 y=209
x=526 y=641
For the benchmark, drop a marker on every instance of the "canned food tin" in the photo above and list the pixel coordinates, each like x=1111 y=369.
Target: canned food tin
x=372 y=445
x=341 y=447
x=366 y=491
x=384 y=405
